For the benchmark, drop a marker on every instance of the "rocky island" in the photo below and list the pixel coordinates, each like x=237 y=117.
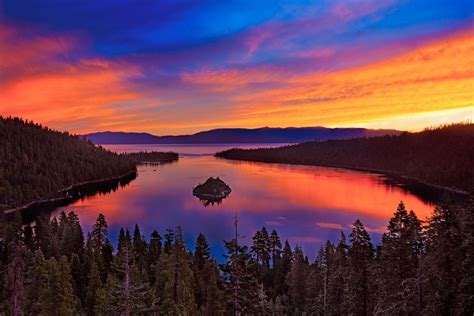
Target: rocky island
x=212 y=191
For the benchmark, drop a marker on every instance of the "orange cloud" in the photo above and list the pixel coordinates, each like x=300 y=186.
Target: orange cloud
x=38 y=82
x=434 y=77
x=336 y=226
x=229 y=80
x=17 y=50
x=40 y=79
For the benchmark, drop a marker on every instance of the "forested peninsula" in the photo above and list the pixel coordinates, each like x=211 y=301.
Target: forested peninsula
x=38 y=163
x=442 y=156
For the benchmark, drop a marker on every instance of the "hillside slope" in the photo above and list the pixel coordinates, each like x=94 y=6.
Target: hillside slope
x=239 y=135
x=443 y=156
x=37 y=162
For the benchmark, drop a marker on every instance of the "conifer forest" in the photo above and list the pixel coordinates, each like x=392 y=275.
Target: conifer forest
x=420 y=268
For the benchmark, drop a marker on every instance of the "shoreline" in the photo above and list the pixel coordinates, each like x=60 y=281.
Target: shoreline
x=66 y=196
x=388 y=173
x=157 y=162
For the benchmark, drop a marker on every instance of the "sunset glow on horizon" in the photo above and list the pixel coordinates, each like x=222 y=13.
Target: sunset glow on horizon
x=187 y=66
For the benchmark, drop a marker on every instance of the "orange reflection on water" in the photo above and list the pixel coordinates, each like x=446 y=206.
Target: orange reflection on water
x=327 y=188
x=306 y=205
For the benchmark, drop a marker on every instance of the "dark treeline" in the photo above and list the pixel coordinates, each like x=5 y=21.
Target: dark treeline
x=152 y=156
x=420 y=268
x=441 y=156
x=37 y=162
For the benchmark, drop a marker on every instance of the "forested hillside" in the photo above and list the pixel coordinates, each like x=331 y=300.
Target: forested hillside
x=37 y=162
x=418 y=269
x=442 y=156
x=240 y=135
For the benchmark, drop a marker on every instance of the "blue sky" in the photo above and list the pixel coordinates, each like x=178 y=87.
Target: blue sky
x=159 y=55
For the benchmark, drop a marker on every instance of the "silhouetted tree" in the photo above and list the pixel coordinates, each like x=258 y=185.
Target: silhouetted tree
x=98 y=234
x=174 y=279
x=466 y=285
x=399 y=256
x=15 y=278
x=296 y=279
x=360 y=255
x=37 y=292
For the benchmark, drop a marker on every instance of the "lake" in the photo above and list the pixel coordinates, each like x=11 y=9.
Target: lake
x=306 y=205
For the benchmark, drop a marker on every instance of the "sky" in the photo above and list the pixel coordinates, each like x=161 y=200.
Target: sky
x=175 y=67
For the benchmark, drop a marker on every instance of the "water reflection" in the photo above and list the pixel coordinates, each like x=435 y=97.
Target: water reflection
x=306 y=205
x=211 y=202
x=76 y=193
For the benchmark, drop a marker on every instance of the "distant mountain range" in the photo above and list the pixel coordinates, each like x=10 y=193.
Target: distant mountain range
x=240 y=135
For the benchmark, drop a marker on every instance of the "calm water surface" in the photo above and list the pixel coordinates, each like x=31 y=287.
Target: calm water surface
x=306 y=205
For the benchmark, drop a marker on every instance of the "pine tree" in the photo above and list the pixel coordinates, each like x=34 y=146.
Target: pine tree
x=282 y=269
x=121 y=239
x=213 y=303
x=140 y=252
x=337 y=281
x=15 y=275
x=317 y=283
x=296 y=279
x=107 y=257
x=443 y=259
x=265 y=243
x=154 y=251
x=327 y=267
x=200 y=259
x=174 y=278
x=314 y=286
x=264 y=306
x=79 y=279
x=466 y=287
x=207 y=284
x=242 y=285
x=155 y=247
x=275 y=247
x=127 y=292
x=86 y=265
x=98 y=233
x=261 y=248
x=168 y=240
x=61 y=299
x=269 y=278
x=70 y=300
x=44 y=236
x=360 y=256
x=70 y=234
x=14 y=229
x=399 y=256
x=94 y=284
x=100 y=307
x=37 y=286
x=202 y=252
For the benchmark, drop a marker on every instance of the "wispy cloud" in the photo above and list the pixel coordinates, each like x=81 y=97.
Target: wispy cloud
x=331 y=226
x=334 y=63
x=38 y=82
